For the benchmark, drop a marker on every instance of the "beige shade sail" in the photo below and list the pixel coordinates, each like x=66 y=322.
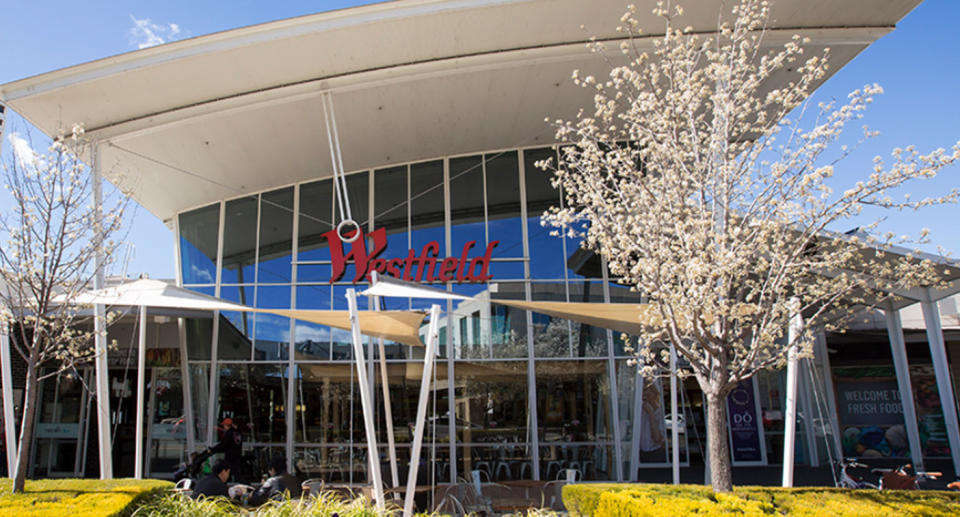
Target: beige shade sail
x=622 y=317
x=399 y=326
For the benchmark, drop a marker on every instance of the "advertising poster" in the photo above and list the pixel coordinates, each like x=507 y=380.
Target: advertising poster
x=746 y=444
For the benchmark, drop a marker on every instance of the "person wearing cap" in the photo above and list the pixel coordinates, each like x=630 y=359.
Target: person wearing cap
x=215 y=484
x=279 y=483
x=231 y=444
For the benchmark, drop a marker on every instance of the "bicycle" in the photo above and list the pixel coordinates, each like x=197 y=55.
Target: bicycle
x=899 y=479
x=848 y=480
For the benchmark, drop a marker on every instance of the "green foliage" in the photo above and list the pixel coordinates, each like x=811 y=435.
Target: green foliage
x=636 y=500
x=77 y=497
x=324 y=504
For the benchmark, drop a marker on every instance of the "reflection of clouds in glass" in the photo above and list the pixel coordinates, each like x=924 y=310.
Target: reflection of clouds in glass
x=201 y=274
x=309 y=333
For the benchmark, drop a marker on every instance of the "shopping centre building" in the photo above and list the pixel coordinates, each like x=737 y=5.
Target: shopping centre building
x=440 y=109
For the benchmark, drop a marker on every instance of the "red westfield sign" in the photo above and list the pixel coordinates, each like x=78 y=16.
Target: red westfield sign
x=428 y=266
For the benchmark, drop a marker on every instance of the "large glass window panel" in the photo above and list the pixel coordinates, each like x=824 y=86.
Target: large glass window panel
x=390 y=210
x=199 y=395
x=232 y=343
x=558 y=337
x=503 y=204
x=272 y=332
x=573 y=401
x=316 y=218
x=312 y=340
x=199 y=334
x=500 y=462
x=198 y=244
x=467 y=206
x=595 y=462
x=405 y=379
x=276 y=236
x=254 y=396
x=547 y=255
x=333 y=464
x=492 y=404
x=328 y=404
x=427 y=205
x=239 y=240
x=482 y=329
x=243 y=295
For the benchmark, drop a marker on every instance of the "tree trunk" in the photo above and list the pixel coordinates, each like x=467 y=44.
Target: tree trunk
x=26 y=427
x=721 y=474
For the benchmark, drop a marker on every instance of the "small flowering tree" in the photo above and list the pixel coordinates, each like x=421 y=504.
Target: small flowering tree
x=689 y=180
x=53 y=232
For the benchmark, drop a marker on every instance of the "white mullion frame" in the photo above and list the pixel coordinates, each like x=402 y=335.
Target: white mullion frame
x=371 y=363
x=534 y=437
x=291 y=346
x=256 y=276
x=486 y=241
x=215 y=331
x=451 y=386
x=612 y=373
x=182 y=336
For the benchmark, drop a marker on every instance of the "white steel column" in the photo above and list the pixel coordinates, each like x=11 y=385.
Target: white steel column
x=638 y=386
x=902 y=368
x=9 y=429
x=185 y=381
x=387 y=407
x=938 y=353
x=674 y=421
x=100 y=331
x=365 y=396
x=790 y=416
x=428 y=361
x=141 y=372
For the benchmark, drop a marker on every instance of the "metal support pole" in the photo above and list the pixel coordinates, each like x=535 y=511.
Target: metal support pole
x=387 y=409
x=428 y=362
x=141 y=372
x=902 y=368
x=790 y=417
x=100 y=332
x=938 y=354
x=674 y=421
x=9 y=429
x=638 y=387
x=820 y=350
x=365 y=396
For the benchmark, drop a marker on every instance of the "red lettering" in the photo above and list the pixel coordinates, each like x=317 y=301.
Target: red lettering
x=484 y=263
x=461 y=276
x=426 y=261
x=393 y=267
x=447 y=268
x=358 y=252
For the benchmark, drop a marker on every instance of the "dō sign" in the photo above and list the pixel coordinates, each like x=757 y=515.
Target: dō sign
x=745 y=443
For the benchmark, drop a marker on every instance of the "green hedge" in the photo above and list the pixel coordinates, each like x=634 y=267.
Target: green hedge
x=635 y=500
x=77 y=497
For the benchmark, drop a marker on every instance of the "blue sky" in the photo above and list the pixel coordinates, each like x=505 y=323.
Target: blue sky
x=918 y=66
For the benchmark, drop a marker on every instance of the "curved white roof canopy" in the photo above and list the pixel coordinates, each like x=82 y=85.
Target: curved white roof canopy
x=213 y=117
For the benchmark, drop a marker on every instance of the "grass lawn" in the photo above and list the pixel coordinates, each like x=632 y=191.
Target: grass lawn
x=76 y=497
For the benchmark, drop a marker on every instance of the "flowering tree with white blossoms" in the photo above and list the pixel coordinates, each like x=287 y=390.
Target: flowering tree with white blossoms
x=687 y=178
x=52 y=233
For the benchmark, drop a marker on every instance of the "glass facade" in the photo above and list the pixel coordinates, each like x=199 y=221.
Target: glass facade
x=516 y=394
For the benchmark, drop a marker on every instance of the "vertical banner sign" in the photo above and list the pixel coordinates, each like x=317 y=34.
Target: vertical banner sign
x=746 y=444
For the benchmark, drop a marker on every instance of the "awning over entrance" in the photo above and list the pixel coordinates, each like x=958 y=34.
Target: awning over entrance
x=400 y=326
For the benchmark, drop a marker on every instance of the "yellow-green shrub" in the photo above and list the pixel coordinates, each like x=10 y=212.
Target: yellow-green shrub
x=635 y=500
x=76 y=497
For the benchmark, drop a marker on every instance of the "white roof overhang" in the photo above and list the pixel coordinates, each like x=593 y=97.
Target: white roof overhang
x=218 y=116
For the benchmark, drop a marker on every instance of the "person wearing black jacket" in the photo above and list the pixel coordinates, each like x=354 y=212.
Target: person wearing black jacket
x=231 y=444
x=279 y=483
x=215 y=484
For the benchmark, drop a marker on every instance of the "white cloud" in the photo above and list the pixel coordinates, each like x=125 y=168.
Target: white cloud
x=24 y=154
x=310 y=333
x=145 y=33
